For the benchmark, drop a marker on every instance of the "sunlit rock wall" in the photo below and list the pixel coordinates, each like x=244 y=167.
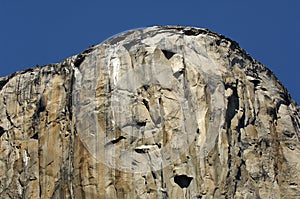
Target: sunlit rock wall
x=161 y=112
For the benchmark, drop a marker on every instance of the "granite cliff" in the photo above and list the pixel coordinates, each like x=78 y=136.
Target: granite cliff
x=161 y=112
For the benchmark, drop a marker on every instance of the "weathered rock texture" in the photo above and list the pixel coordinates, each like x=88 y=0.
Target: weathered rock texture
x=161 y=112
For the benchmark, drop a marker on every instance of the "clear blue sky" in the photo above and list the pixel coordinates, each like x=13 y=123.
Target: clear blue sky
x=42 y=32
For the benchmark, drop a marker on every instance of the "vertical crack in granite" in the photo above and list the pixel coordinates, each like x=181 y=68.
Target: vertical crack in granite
x=160 y=112
x=2 y=131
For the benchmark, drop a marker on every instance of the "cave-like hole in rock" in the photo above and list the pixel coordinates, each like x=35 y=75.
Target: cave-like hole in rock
x=35 y=136
x=141 y=124
x=255 y=82
x=115 y=141
x=168 y=54
x=191 y=32
x=183 y=180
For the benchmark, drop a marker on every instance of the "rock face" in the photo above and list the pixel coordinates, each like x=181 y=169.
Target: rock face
x=161 y=112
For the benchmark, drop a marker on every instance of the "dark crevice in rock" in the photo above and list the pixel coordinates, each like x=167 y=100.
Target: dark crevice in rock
x=232 y=107
x=134 y=163
x=255 y=82
x=40 y=189
x=234 y=45
x=251 y=72
x=80 y=58
x=168 y=54
x=141 y=123
x=286 y=98
x=3 y=82
x=183 y=180
x=178 y=74
x=140 y=150
x=161 y=110
x=237 y=179
x=158 y=145
x=40 y=107
x=146 y=103
x=191 y=32
x=117 y=140
x=146 y=87
x=288 y=134
x=241 y=125
x=109 y=87
x=272 y=112
x=69 y=95
x=51 y=162
x=28 y=70
x=163 y=184
x=154 y=175
x=232 y=104
x=263 y=89
x=238 y=174
x=35 y=136
x=2 y=131
x=194 y=31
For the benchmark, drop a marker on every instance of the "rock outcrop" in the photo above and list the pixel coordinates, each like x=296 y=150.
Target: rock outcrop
x=161 y=112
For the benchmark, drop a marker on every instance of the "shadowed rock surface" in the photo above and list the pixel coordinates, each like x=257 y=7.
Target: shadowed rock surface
x=161 y=112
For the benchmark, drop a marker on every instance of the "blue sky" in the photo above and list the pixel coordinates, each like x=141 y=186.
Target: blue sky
x=42 y=32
